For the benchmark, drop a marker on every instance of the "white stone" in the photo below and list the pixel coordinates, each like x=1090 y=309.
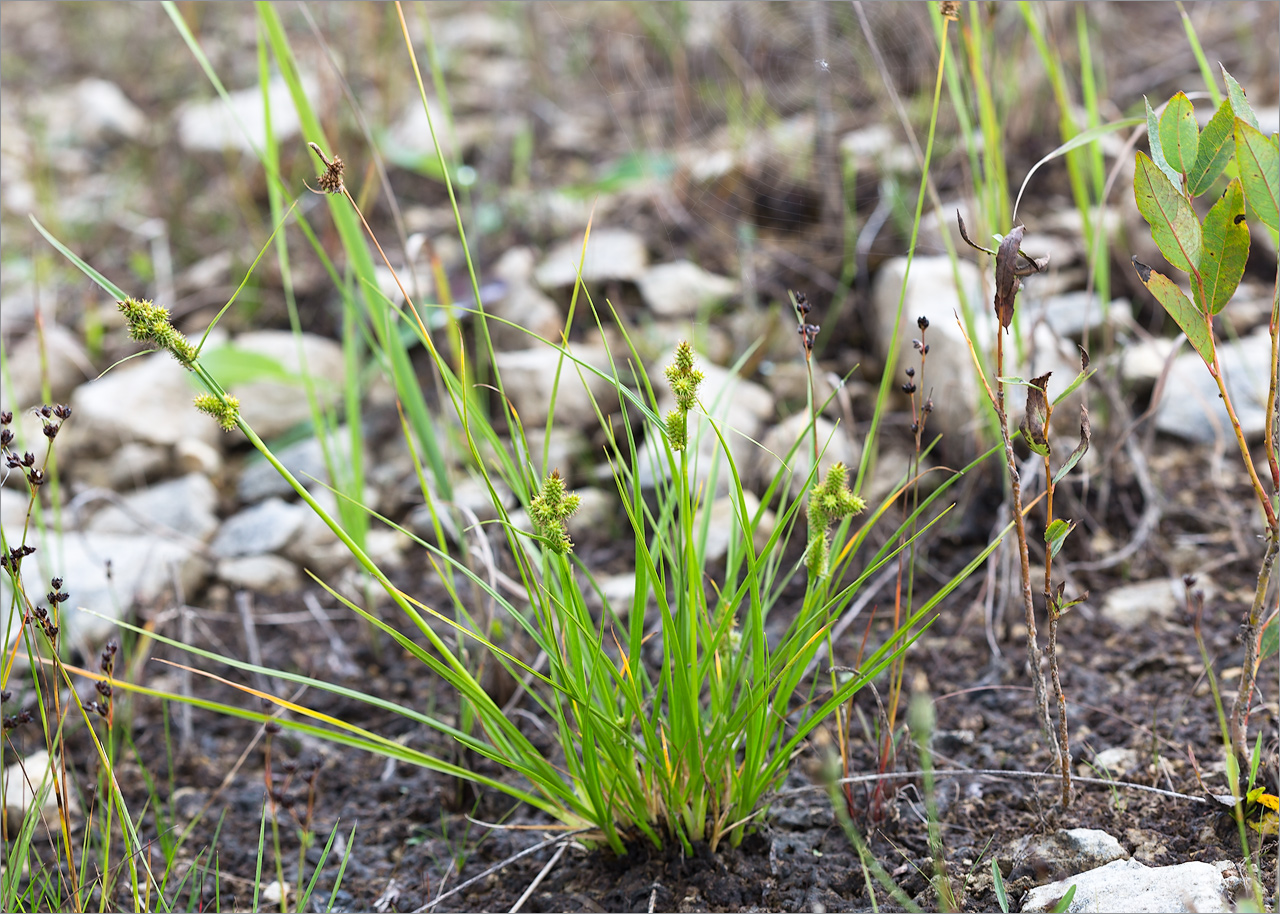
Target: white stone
x=1072 y=850
x=265 y=574
x=682 y=288
x=724 y=526
x=266 y=527
x=22 y=783
x=146 y=400
x=304 y=459
x=949 y=371
x=143 y=570
x=1127 y=885
x=274 y=405
x=1135 y=605
x=1191 y=408
x=526 y=313
x=90 y=110
x=1143 y=361
x=529 y=376
x=1113 y=762
x=195 y=456
x=273 y=893
x=68 y=365
x=239 y=123
x=1067 y=314
x=186 y=505
x=791 y=441
x=477 y=31
x=612 y=254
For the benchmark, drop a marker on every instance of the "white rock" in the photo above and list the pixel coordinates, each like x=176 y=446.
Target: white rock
x=273 y=406
x=1070 y=851
x=239 y=123
x=266 y=574
x=274 y=892
x=1142 y=362
x=1127 y=885
x=143 y=570
x=304 y=459
x=791 y=441
x=195 y=456
x=1191 y=408
x=931 y=293
x=682 y=288
x=22 y=783
x=529 y=375
x=1134 y=605
x=477 y=31
x=1113 y=762
x=612 y=254
x=147 y=400
x=599 y=514
x=1068 y=313
x=68 y=365
x=619 y=593
x=724 y=525
x=533 y=314
x=877 y=147
x=187 y=506
x=266 y=527
x=90 y=110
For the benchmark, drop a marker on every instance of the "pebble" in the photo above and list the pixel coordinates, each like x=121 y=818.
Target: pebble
x=275 y=405
x=186 y=506
x=683 y=289
x=1136 y=605
x=265 y=527
x=266 y=574
x=1127 y=885
x=529 y=379
x=1191 y=407
x=239 y=122
x=612 y=254
x=22 y=782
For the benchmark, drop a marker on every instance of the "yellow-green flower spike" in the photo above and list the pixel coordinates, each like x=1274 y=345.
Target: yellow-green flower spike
x=683 y=377
x=150 y=323
x=225 y=411
x=677 y=430
x=829 y=502
x=550 y=508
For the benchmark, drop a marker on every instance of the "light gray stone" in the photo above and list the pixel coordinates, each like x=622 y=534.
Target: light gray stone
x=193 y=456
x=143 y=569
x=612 y=254
x=91 y=110
x=1135 y=605
x=239 y=123
x=682 y=288
x=273 y=406
x=266 y=527
x=1067 y=314
x=531 y=313
x=477 y=31
x=186 y=505
x=146 y=400
x=68 y=365
x=23 y=781
x=265 y=574
x=932 y=293
x=793 y=437
x=529 y=376
x=1113 y=762
x=1127 y=885
x=724 y=526
x=1070 y=850
x=304 y=459
x=1191 y=407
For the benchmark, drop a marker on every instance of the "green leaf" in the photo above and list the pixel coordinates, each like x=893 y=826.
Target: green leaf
x=1194 y=324
x=1269 y=642
x=1056 y=534
x=1157 y=151
x=1065 y=904
x=1074 y=457
x=1239 y=103
x=1179 y=133
x=997 y=881
x=1217 y=142
x=1226 y=248
x=1173 y=222
x=1259 y=164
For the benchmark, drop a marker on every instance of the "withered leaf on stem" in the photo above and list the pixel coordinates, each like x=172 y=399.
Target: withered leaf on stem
x=1074 y=457
x=1008 y=278
x=1035 y=421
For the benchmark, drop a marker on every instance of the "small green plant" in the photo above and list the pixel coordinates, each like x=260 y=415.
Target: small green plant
x=1186 y=163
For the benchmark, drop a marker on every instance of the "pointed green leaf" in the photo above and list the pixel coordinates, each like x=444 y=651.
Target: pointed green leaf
x=1239 y=103
x=1173 y=222
x=1226 y=248
x=1157 y=151
x=1179 y=133
x=1194 y=324
x=1056 y=534
x=1259 y=172
x=1269 y=641
x=1074 y=457
x=1217 y=142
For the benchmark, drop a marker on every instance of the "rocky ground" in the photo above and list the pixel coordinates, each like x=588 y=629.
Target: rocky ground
x=702 y=221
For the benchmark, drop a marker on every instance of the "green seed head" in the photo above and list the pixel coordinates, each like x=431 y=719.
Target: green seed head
x=549 y=510
x=225 y=411
x=683 y=377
